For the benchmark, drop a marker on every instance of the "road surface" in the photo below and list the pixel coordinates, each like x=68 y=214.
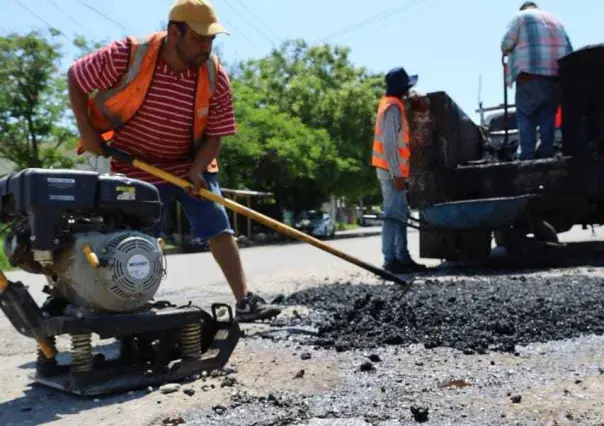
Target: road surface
x=273 y=270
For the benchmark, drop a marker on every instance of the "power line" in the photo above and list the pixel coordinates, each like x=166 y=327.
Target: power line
x=411 y=5
x=52 y=27
x=378 y=17
x=249 y=40
x=122 y=26
x=250 y=23
x=260 y=21
x=71 y=18
x=98 y=12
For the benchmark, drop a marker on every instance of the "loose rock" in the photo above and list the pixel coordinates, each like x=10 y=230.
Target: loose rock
x=420 y=414
x=228 y=382
x=173 y=421
x=374 y=358
x=169 y=388
x=516 y=399
x=367 y=366
x=219 y=409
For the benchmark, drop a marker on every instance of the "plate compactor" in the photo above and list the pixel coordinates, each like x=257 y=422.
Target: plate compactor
x=84 y=231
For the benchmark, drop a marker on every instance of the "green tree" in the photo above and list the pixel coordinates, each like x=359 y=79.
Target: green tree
x=322 y=88
x=87 y=46
x=35 y=129
x=274 y=151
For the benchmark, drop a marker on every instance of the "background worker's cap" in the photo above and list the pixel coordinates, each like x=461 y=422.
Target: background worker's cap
x=398 y=81
x=197 y=14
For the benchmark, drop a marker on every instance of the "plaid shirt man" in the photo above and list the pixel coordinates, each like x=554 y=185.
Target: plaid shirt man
x=534 y=41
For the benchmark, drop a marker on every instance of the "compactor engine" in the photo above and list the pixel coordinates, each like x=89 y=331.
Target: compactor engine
x=89 y=235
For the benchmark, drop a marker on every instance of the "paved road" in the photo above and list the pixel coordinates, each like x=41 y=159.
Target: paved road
x=271 y=270
x=197 y=274
x=198 y=277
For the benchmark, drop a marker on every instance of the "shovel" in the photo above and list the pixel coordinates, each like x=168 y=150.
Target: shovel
x=245 y=211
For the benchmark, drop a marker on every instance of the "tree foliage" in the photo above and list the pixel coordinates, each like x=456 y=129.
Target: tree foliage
x=274 y=151
x=305 y=118
x=34 y=126
x=321 y=87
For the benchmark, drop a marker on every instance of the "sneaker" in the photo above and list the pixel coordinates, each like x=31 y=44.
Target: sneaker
x=399 y=267
x=253 y=308
x=413 y=266
x=396 y=267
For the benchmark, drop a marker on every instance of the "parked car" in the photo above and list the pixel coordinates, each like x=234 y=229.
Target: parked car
x=316 y=223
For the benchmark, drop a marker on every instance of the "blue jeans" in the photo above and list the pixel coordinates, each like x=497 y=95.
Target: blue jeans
x=206 y=218
x=537 y=101
x=394 y=229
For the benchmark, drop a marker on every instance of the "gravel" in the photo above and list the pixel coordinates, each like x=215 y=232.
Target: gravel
x=480 y=349
x=536 y=388
x=473 y=316
x=498 y=350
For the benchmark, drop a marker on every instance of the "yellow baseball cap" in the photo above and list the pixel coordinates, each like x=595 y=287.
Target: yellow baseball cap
x=199 y=15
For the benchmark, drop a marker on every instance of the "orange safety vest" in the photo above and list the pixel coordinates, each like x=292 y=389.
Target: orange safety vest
x=378 y=158
x=109 y=110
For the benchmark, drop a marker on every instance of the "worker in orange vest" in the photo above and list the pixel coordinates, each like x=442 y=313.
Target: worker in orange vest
x=167 y=100
x=391 y=159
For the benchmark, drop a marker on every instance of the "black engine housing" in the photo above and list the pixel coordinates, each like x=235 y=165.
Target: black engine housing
x=58 y=203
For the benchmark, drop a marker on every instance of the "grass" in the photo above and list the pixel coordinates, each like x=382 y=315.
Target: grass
x=340 y=226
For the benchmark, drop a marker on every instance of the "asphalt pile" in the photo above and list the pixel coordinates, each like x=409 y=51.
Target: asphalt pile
x=492 y=314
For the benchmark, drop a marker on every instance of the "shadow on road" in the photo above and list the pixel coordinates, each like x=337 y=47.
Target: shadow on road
x=41 y=404
x=573 y=255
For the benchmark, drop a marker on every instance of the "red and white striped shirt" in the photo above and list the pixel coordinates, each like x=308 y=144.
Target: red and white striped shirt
x=161 y=130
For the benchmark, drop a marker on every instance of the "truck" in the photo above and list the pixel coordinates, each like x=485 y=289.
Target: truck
x=470 y=189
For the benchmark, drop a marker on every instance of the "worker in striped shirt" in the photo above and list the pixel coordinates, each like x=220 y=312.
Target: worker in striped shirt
x=161 y=130
x=533 y=43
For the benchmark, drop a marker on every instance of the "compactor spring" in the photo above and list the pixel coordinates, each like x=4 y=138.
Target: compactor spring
x=81 y=353
x=190 y=341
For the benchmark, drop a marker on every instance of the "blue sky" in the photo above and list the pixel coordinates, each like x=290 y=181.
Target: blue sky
x=449 y=43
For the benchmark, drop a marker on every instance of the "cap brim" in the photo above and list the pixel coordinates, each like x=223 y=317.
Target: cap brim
x=413 y=80
x=208 y=29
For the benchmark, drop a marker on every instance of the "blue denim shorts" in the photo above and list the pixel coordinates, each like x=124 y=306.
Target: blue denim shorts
x=206 y=218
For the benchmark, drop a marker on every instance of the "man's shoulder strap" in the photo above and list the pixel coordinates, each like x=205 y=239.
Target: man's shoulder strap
x=213 y=67
x=388 y=101
x=138 y=46
x=157 y=36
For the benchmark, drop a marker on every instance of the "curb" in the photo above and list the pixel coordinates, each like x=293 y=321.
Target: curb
x=347 y=235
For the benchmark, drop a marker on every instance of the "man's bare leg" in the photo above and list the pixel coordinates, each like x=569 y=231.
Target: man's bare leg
x=249 y=307
x=226 y=253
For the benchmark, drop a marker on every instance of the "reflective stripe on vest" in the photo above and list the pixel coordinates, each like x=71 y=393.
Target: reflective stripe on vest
x=378 y=158
x=110 y=109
